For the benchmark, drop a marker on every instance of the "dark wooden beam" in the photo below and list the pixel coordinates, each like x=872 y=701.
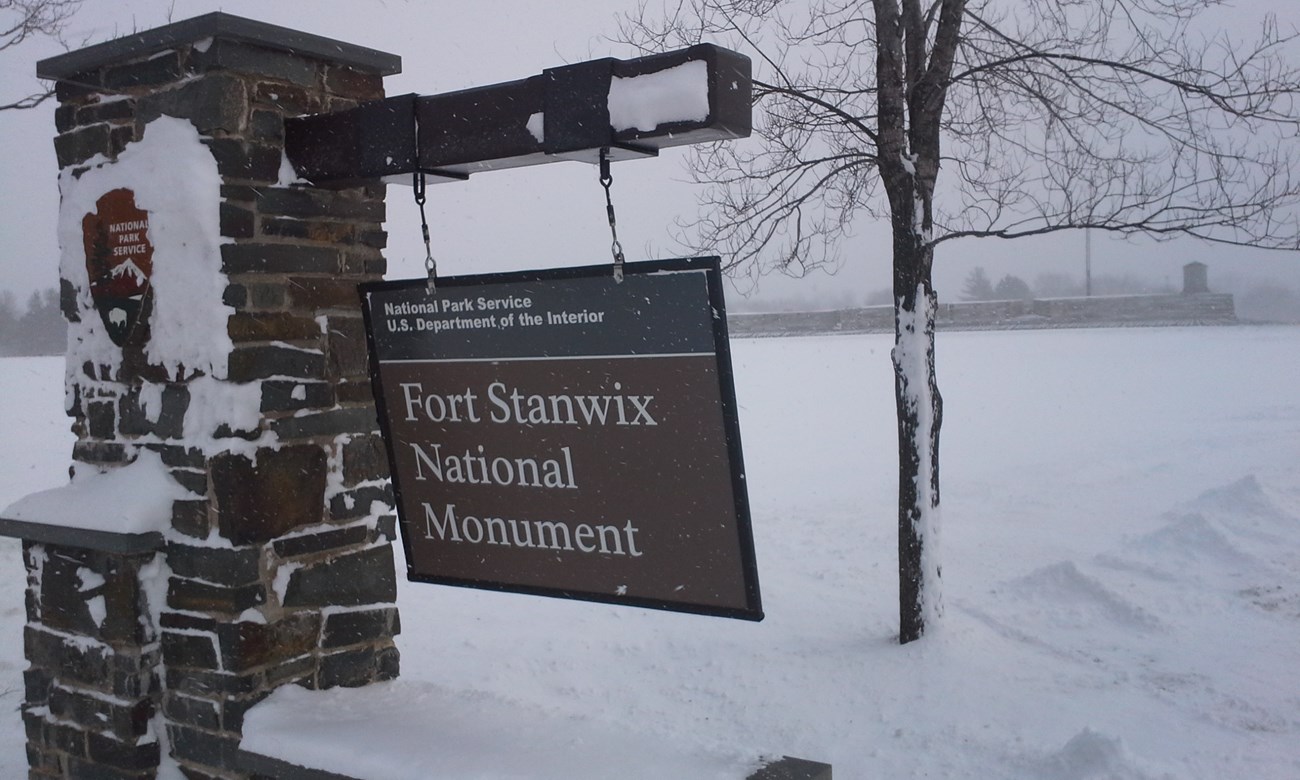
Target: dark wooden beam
x=562 y=114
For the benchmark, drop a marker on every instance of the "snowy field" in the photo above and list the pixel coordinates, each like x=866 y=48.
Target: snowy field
x=1121 y=554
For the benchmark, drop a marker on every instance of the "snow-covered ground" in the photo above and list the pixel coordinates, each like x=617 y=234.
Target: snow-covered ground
x=1121 y=548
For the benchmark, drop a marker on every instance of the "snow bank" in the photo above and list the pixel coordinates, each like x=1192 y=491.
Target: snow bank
x=412 y=731
x=1086 y=635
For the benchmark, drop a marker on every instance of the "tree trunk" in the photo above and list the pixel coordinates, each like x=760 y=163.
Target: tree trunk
x=920 y=413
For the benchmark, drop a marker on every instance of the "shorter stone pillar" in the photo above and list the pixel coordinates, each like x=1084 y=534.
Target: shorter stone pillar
x=92 y=687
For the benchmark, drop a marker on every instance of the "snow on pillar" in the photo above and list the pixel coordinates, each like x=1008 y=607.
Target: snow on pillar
x=214 y=328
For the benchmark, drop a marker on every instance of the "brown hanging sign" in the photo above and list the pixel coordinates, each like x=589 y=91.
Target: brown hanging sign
x=119 y=260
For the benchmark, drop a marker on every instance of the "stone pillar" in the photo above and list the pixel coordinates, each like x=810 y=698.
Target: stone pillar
x=280 y=566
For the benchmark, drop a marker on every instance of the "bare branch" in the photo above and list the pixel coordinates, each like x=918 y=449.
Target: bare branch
x=22 y=20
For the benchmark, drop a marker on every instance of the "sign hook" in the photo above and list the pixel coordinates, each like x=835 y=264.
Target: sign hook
x=615 y=248
x=430 y=265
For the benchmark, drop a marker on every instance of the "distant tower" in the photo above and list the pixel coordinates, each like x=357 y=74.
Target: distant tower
x=1195 y=279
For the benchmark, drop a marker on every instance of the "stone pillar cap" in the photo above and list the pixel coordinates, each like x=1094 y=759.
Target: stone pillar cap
x=223 y=26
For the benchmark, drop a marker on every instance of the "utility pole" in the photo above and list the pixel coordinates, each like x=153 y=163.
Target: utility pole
x=1087 y=262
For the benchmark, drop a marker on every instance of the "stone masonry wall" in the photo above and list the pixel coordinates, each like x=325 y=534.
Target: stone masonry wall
x=1098 y=312
x=281 y=568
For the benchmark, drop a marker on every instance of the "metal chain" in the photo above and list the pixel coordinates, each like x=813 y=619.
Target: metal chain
x=430 y=265
x=616 y=248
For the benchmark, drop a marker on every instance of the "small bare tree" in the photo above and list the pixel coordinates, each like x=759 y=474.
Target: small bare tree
x=1130 y=116
x=23 y=20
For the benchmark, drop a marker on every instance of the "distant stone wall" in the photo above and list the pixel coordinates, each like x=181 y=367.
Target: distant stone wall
x=1097 y=312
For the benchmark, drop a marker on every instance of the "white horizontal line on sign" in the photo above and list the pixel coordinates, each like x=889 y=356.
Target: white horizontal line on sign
x=556 y=357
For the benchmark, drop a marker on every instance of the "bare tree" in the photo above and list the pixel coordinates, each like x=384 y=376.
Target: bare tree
x=23 y=20
x=1131 y=116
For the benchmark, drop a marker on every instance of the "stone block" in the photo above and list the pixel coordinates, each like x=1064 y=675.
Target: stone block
x=79 y=767
x=191 y=518
x=366 y=577
x=287 y=99
x=192 y=711
x=187 y=621
x=241 y=193
x=42 y=763
x=376 y=239
x=386 y=528
x=279 y=259
x=355 y=391
x=154 y=71
x=331 y=423
x=79 y=89
x=237 y=222
x=364 y=459
x=234 y=708
x=80 y=145
x=351 y=504
x=267 y=127
x=122 y=755
x=192 y=480
x=218 y=102
x=352 y=628
x=248 y=161
x=299 y=670
x=354 y=668
x=112 y=111
x=198 y=596
x=354 y=84
x=314 y=293
x=348 y=352
x=310 y=230
x=225 y=54
x=256 y=504
x=118 y=138
x=190 y=650
x=272 y=326
x=214 y=749
x=125 y=675
x=65 y=118
x=204 y=683
x=217 y=565
x=102 y=419
x=305 y=203
x=36 y=686
x=181 y=457
x=789 y=768
x=356 y=259
x=323 y=541
x=70 y=599
x=251 y=363
x=67 y=738
x=248 y=645
x=169 y=419
x=288 y=396
x=125 y=721
x=267 y=296
x=235 y=296
x=68 y=301
x=99 y=452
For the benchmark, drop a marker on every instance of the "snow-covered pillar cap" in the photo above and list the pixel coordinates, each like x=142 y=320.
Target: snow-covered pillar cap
x=217 y=26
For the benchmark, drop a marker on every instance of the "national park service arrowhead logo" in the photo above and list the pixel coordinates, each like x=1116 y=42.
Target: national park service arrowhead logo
x=119 y=260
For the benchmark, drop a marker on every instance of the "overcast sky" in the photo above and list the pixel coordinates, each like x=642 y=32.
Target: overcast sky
x=542 y=216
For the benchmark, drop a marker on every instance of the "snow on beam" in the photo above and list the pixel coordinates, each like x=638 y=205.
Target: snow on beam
x=633 y=107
